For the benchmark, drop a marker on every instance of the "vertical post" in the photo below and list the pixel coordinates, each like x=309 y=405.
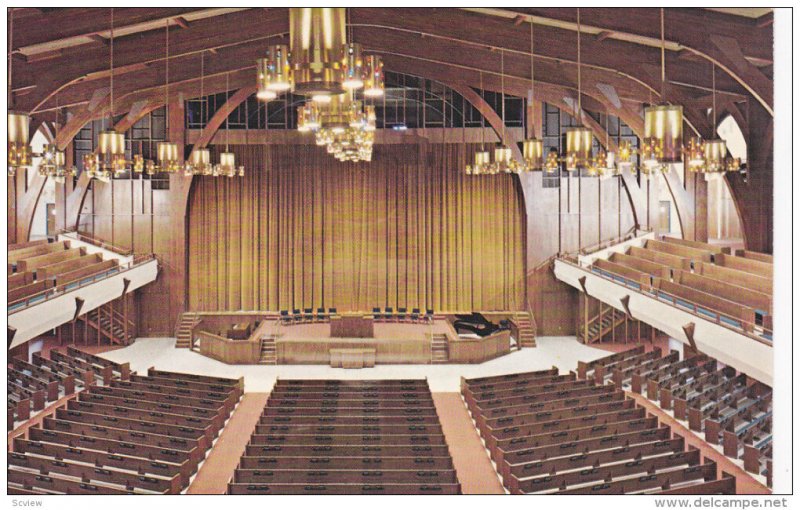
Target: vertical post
x=639 y=332
x=125 y=317
x=586 y=319
x=627 y=336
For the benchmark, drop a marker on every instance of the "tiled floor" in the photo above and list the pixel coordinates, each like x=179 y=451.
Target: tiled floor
x=563 y=352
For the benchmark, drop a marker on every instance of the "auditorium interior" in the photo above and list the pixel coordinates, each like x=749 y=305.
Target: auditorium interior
x=395 y=251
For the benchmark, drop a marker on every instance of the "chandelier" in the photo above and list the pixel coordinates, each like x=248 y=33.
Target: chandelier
x=710 y=157
x=532 y=147
x=53 y=164
x=19 y=149
x=344 y=126
x=504 y=161
x=663 y=126
x=109 y=159
x=169 y=159
x=227 y=160
x=319 y=63
x=482 y=163
x=579 y=139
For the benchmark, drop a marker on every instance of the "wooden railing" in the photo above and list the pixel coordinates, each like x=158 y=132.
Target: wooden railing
x=126 y=252
x=747 y=328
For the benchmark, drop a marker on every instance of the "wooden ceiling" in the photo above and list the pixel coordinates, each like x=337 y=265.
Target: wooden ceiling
x=61 y=55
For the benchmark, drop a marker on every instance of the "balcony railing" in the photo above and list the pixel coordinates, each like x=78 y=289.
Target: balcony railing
x=749 y=328
x=59 y=290
x=78 y=236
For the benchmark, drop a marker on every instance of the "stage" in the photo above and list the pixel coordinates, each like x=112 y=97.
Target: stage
x=355 y=342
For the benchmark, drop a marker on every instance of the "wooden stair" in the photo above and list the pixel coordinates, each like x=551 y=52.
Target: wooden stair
x=183 y=333
x=109 y=323
x=600 y=325
x=527 y=330
x=269 y=352
x=439 y=352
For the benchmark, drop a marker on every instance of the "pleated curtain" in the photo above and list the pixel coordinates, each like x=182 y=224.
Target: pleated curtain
x=303 y=230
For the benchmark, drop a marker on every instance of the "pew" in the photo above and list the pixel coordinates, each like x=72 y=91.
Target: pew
x=49 y=387
x=727 y=414
x=86 y=274
x=129 y=481
x=585 y=367
x=680 y=477
x=334 y=489
x=683 y=395
x=32 y=263
x=761 y=257
x=637 y=374
x=18 y=280
x=99 y=458
x=84 y=377
x=648 y=266
x=752 y=266
x=42 y=484
x=123 y=369
x=14 y=256
x=708 y=403
x=663 y=388
x=604 y=372
x=630 y=277
x=694 y=255
x=707 y=306
x=53 y=270
x=665 y=259
x=737 y=294
x=66 y=382
x=562 y=481
x=736 y=277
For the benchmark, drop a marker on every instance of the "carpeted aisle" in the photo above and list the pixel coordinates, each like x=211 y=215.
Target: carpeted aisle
x=470 y=459
x=218 y=467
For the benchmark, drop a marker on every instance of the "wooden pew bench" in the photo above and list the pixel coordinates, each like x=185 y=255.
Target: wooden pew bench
x=621 y=377
x=584 y=368
x=681 y=395
x=604 y=373
x=84 y=378
x=122 y=370
x=65 y=382
x=367 y=463
x=673 y=478
x=351 y=476
x=334 y=489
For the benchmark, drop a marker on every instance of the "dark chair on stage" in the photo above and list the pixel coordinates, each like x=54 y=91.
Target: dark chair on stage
x=401 y=314
x=308 y=314
x=429 y=315
x=321 y=315
x=415 y=314
x=285 y=316
x=332 y=313
x=377 y=316
x=389 y=313
x=296 y=315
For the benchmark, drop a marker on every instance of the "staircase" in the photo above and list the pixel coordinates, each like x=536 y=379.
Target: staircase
x=527 y=329
x=600 y=325
x=183 y=333
x=269 y=353
x=439 y=354
x=110 y=324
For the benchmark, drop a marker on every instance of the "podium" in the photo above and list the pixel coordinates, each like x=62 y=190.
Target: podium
x=352 y=326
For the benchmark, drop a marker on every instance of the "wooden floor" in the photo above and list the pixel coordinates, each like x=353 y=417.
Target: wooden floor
x=217 y=470
x=745 y=484
x=473 y=467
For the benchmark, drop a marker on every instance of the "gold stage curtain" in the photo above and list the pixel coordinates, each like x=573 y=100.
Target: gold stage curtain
x=409 y=229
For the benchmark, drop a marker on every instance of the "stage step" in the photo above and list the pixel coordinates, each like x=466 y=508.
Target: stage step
x=439 y=353
x=269 y=352
x=184 y=331
x=527 y=333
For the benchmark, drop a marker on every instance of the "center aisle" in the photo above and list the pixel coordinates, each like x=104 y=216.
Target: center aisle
x=218 y=468
x=475 y=471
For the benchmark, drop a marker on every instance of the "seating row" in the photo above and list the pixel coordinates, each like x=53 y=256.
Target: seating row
x=347 y=437
x=566 y=434
x=712 y=399
x=388 y=314
x=145 y=435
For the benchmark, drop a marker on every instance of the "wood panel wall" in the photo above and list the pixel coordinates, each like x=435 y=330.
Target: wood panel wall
x=408 y=230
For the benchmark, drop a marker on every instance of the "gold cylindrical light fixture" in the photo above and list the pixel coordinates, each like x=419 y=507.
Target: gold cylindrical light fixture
x=715 y=152
x=335 y=117
x=19 y=150
x=264 y=93
x=532 y=154
x=353 y=67
x=317 y=36
x=199 y=162
x=579 y=147
x=695 y=154
x=663 y=128
x=168 y=158
x=278 y=71
x=373 y=76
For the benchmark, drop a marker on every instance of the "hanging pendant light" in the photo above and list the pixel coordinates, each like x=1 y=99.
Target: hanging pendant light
x=274 y=72
x=373 y=76
x=353 y=67
x=579 y=139
x=110 y=156
x=663 y=124
x=199 y=162
x=53 y=164
x=317 y=38
x=19 y=149
x=482 y=157
x=227 y=160
x=532 y=147
x=504 y=161
x=716 y=151
x=167 y=152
